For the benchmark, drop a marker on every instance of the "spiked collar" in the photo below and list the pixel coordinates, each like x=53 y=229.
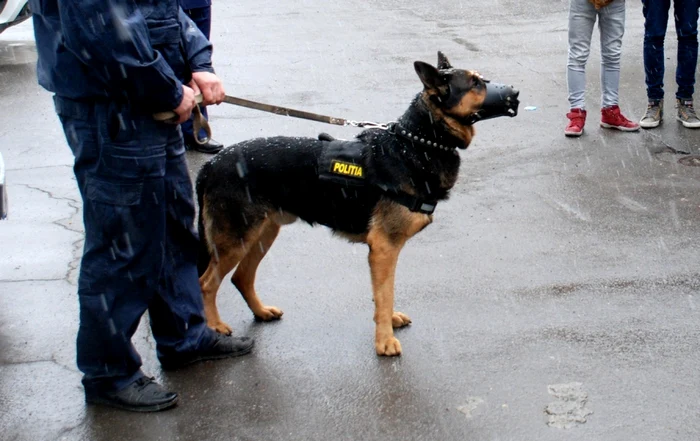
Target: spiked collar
x=416 y=137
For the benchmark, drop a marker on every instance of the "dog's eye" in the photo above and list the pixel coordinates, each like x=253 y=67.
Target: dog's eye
x=477 y=81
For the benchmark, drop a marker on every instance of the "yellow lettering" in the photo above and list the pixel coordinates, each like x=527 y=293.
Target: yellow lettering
x=344 y=168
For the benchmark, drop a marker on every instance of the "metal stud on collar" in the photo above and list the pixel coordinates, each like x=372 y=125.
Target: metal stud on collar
x=412 y=137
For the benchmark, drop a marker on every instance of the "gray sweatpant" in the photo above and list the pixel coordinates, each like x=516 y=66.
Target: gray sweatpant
x=611 y=23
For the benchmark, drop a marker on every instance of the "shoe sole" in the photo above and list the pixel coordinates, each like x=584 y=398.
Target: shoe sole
x=622 y=129
x=197 y=148
x=689 y=125
x=172 y=367
x=573 y=134
x=649 y=125
x=153 y=408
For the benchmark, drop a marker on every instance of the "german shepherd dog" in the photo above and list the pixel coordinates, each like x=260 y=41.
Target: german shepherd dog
x=383 y=196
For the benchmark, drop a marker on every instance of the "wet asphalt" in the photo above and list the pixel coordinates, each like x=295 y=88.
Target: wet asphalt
x=555 y=297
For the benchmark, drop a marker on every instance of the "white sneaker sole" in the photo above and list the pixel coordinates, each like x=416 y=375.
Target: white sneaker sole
x=689 y=125
x=573 y=134
x=622 y=129
x=649 y=125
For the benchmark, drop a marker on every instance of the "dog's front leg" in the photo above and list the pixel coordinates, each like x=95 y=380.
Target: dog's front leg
x=383 y=255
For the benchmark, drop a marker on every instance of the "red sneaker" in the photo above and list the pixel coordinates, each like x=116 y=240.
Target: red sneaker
x=577 y=119
x=611 y=118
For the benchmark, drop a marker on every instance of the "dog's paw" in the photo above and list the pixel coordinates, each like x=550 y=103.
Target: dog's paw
x=221 y=328
x=268 y=313
x=399 y=320
x=389 y=347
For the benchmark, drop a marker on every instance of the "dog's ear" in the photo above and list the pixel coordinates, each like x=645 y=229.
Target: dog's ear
x=443 y=62
x=429 y=75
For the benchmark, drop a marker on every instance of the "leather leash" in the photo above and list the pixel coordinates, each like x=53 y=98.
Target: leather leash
x=199 y=122
x=278 y=110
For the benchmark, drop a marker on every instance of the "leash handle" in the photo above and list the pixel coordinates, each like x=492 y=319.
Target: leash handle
x=170 y=116
x=199 y=122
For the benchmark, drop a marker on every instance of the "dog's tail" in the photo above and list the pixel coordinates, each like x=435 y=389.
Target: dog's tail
x=203 y=256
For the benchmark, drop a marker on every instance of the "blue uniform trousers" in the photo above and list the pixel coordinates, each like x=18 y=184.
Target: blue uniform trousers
x=202 y=18
x=140 y=245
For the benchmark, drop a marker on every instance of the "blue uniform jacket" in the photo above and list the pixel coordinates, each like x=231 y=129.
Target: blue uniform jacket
x=194 y=4
x=137 y=52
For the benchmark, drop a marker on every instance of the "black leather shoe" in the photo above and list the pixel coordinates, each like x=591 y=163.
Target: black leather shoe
x=143 y=395
x=224 y=346
x=210 y=146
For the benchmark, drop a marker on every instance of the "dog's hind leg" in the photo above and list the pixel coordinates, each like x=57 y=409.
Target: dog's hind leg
x=210 y=283
x=221 y=264
x=226 y=253
x=244 y=277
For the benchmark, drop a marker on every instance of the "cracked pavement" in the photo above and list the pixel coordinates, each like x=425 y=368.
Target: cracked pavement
x=557 y=263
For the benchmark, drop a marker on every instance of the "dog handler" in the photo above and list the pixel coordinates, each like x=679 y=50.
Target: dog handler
x=200 y=13
x=111 y=64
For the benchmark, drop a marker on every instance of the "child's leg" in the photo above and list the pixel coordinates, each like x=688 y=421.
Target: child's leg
x=582 y=16
x=611 y=23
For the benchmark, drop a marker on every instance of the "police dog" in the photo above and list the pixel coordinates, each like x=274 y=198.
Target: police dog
x=387 y=182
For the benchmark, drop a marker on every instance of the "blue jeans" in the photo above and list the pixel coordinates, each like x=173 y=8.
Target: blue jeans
x=655 y=22
x=202 y=18
x=140 y=245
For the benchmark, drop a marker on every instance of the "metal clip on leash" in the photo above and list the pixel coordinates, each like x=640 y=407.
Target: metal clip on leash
x=367 y=125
